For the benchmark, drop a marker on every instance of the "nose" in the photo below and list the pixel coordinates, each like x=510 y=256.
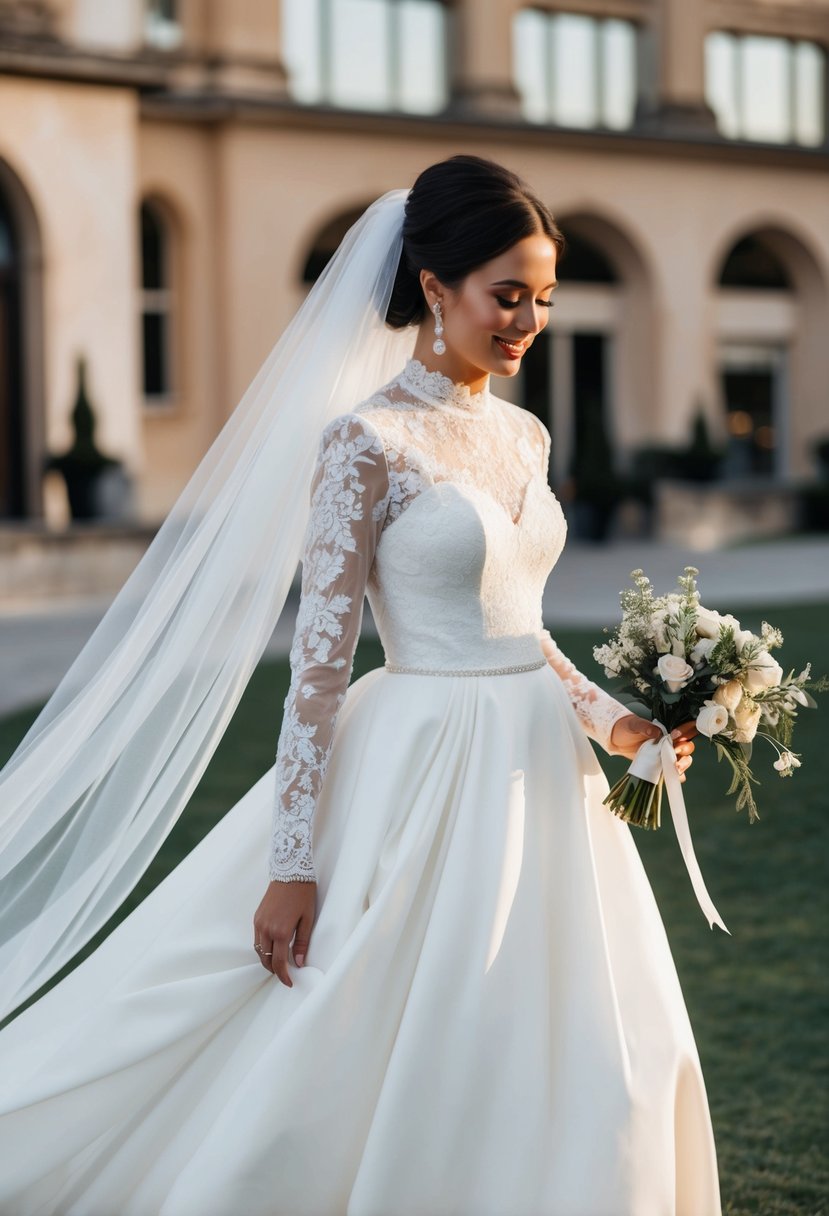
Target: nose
x=531 y=319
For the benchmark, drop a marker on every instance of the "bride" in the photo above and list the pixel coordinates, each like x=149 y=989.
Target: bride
x=468 y=1004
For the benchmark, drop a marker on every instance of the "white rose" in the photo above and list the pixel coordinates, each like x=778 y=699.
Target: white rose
x=743 y=637
x=747 y=717
x=712 y=718
x=729 y=695
x=708 y=623
x=701 y=651
x=764 y=672
x=674 y=671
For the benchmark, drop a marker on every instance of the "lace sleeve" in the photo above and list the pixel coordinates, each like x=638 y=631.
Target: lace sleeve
x=349 y=497
x=596 y=709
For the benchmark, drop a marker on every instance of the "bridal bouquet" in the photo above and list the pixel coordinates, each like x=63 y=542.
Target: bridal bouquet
x=679 y=661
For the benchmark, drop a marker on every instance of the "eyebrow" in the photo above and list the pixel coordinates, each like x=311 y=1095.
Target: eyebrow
x=518 y=283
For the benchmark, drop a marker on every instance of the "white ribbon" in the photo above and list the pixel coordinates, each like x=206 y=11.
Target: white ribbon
x=657 y=759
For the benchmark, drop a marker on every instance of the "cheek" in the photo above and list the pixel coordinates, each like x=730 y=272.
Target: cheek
x=483 y=316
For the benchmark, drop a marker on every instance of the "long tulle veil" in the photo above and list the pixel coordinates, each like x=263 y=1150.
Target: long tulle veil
x=110 y=763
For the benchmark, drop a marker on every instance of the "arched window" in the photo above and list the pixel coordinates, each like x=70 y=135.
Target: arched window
x=367 y=54
x=752 y=264
x=156 y=306
x=326 y=243
x=574 y=70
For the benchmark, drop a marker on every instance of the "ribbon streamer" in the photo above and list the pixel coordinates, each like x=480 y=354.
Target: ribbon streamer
x=655 y=759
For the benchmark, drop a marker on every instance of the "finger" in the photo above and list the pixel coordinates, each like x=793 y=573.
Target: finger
x=687 y=730
x=265 y=953
x=302 y=939
x=280 y=961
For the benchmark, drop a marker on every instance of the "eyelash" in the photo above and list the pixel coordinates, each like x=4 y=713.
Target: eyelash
x=514 y=303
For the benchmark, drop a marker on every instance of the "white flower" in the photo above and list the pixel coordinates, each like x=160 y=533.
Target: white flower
x=660 y=637
x=674 y=671
x=743 y=638
x=729 y=694
x=786 y=762
x=708 y=622
x=797 y=694
x=747 y=718
x=701 y=651
x=712 y=718
x=763 y=672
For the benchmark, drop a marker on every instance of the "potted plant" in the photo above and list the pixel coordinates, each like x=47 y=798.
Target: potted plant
x=82 y=464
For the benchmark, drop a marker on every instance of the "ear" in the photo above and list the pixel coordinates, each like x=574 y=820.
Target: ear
x=433 y=289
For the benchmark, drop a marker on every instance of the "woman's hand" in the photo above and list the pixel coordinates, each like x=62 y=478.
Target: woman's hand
x=630 y=733
x=285 y=915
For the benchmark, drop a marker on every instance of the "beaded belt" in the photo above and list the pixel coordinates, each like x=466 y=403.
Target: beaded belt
x=479 y=671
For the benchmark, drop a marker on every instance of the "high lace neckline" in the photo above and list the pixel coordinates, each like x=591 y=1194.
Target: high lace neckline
x=437 y=389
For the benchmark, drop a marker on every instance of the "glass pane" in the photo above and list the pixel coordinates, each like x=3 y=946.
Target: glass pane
x=721 y=82
x=422 y=56
x=301 y=48
x=765 y=101
x=360 y=54
x=155 y=354
x=810 y=92
x=530 y=64
x=574 y=70
x=153 y=267
x=618 y=73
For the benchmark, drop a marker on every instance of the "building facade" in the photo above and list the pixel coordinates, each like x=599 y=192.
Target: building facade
x=174 y=174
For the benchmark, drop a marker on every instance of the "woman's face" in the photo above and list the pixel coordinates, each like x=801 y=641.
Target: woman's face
x=491 y=319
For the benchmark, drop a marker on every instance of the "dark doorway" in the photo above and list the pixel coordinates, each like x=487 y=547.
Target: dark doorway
x=749 y=404
x=12 y=419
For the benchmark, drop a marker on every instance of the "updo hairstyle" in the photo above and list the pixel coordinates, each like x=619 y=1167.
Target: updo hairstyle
x=459 y=214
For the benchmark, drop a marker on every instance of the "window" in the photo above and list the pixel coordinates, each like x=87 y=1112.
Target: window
x=575 y=71
x=161 y=24
x=367 y=54
x=156 y=306
x=768 y=89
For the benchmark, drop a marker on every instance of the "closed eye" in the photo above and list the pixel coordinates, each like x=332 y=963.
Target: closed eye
x=514 y=303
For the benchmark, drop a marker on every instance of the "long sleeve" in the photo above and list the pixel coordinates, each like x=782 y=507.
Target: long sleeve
x=349 y=499
x=596 y=709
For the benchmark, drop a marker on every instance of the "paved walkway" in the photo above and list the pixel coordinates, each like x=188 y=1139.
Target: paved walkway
x=38 y=645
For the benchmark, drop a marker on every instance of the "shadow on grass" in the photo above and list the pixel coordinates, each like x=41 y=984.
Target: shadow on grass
x=757 y=1000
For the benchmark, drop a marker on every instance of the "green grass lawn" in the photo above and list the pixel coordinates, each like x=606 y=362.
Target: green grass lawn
x=758 y=999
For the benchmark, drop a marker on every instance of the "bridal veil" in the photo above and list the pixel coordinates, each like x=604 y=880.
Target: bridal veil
x=110 y=763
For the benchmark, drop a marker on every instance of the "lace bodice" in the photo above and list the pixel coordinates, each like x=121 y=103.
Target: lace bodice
x=433 y=502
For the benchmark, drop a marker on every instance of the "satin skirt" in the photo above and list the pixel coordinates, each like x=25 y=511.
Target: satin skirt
x=489 y=1021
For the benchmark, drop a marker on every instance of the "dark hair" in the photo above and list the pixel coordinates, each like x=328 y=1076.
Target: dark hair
x=461 y=213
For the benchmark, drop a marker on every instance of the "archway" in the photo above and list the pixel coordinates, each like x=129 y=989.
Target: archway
x=772 y=305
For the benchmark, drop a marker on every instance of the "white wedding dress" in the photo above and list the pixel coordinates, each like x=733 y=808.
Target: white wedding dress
x=489 y=1021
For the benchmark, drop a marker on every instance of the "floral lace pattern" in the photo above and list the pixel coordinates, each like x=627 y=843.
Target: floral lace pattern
x=488 y=555
x=597 y=711
x=348 y=500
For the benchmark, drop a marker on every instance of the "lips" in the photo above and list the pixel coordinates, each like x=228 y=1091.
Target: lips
x=513 y=349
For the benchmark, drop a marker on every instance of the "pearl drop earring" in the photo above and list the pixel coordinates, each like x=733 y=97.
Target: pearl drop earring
x=438 y=346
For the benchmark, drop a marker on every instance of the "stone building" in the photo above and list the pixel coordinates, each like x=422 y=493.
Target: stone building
x=173 y=174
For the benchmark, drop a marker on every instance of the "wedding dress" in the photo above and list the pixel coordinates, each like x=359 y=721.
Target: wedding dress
x=489 y=1021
